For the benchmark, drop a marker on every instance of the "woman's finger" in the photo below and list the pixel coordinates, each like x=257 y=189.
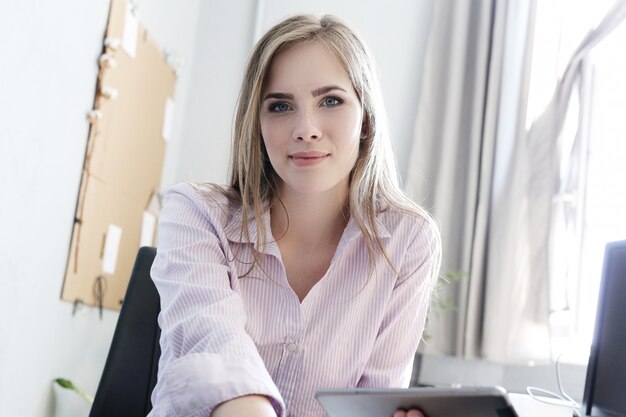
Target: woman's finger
x=414 y=413
x=400 y=413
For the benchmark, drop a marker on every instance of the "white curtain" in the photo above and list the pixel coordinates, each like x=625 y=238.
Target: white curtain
x=488 y=181
x=470 y=112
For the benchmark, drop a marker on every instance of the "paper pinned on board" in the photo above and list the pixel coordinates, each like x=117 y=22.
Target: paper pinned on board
x=147 y=229
x=131 y=31
x=111 y=249
x=168 y=119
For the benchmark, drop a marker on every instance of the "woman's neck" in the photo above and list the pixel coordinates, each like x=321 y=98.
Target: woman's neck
x=312 y=220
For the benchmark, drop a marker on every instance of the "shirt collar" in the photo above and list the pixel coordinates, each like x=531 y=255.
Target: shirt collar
x=352 y=230
x=233 y=227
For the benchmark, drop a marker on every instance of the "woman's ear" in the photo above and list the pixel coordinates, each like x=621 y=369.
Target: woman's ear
x=364 y=129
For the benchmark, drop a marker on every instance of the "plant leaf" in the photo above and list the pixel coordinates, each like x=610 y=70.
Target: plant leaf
x=67 y=384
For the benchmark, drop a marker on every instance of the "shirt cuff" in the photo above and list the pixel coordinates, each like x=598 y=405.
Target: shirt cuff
x=202 y=381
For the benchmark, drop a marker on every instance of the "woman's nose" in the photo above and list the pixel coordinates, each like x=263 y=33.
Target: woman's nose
x=306 y=127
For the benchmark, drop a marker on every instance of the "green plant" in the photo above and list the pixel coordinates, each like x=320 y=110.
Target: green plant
x=442 y=306
x=67 y=384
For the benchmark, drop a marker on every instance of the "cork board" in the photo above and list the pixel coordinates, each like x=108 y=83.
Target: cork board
x=117 y=207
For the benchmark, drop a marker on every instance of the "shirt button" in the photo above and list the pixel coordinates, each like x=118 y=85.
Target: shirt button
x=291 y=347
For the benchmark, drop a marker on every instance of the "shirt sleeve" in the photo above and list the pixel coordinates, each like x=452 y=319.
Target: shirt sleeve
x=400 y=332
x=207 y=355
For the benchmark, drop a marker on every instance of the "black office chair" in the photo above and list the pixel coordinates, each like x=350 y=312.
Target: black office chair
x=130 y=371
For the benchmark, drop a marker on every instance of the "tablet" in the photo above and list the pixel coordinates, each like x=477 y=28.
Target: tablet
x=434 y=402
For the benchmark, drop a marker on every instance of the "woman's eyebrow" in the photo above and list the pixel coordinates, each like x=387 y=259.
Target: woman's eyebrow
x=280 y=96
x=314 y=93
x=326 y=89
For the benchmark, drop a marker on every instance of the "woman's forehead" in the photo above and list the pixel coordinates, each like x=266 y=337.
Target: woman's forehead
x=307 y=65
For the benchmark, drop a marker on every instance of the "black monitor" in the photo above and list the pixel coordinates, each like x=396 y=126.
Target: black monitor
x=605 y=386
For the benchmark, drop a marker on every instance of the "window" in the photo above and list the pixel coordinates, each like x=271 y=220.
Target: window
x=591 y=205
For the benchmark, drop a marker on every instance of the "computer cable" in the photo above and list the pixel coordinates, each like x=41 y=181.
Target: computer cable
x=562 y=399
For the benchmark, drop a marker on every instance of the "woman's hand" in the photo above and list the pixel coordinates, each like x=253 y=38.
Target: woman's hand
x=410 y=413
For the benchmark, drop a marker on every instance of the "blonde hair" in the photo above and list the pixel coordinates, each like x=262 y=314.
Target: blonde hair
x=374 y=185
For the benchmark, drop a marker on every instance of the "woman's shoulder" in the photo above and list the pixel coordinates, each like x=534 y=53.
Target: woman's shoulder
x=212 y=200
x=207 y=194
x=213 y=194
x=410 y=222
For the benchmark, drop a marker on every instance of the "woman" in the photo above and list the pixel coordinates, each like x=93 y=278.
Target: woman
x=311 y=269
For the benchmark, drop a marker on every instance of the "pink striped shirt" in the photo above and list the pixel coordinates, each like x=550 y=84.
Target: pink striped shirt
x=225 y=336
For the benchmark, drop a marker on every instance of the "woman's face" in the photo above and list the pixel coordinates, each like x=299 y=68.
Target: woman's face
x=311 y=119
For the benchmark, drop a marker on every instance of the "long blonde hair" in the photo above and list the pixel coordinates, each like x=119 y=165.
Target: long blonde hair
x=374 y=185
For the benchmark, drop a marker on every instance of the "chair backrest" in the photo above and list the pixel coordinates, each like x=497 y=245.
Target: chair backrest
x=130 y=370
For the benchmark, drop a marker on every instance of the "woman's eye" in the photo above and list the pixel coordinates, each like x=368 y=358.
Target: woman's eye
x=331 y=101
x=279 y=107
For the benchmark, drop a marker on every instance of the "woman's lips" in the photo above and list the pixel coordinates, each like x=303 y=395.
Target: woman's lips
x=307 y=159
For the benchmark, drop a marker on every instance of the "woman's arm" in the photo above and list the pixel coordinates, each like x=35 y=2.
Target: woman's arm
x=401 y=329
x=207 y=358
x=403 y=324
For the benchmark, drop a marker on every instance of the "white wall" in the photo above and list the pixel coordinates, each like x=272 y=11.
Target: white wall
x=446 y=370
x=224 y=39
x=48 y=69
